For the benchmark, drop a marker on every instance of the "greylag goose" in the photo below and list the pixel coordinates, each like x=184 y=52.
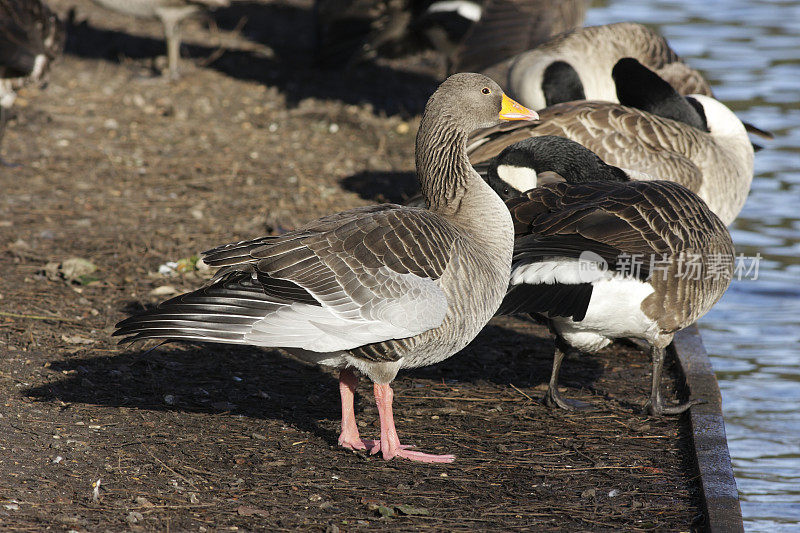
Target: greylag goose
x=602 y=260
x=509 y=27
x=31 y=37
x=377 y=288
x=695 y=141
x=170 y=13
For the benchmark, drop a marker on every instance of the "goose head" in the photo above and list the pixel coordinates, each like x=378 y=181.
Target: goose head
x=548 y=159
x=463 y=103
x=639 y=87
x=468 y=101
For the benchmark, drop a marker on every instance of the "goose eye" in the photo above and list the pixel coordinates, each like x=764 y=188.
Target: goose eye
x=486 y=90
x=506 y=190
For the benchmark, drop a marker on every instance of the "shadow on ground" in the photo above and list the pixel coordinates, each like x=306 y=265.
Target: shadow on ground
x=257 y=383
x=377 y=186
x=282 y=57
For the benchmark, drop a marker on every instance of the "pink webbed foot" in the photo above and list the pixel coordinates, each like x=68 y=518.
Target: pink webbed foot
x=389 y=443
x=350 y=439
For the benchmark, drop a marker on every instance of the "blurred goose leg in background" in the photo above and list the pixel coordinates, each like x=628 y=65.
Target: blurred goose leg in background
x=389 y=443
x=349 y=437
x=171 y=18
x=655 y=405
x=553 y=398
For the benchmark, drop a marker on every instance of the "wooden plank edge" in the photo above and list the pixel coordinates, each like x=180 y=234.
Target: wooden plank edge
x=710 y=444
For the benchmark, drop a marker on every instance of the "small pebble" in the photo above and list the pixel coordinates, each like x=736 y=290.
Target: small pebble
x=144 y=502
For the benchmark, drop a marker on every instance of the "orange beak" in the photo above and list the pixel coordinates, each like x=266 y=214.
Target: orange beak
x=512 y=110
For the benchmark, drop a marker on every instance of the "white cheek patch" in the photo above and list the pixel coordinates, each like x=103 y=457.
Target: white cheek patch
x=468 y=10
x=521 y=178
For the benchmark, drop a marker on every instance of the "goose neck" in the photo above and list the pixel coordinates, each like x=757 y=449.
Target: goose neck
x=443 y=168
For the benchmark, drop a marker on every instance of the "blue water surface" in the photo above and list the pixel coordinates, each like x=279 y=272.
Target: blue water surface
x=750 y=52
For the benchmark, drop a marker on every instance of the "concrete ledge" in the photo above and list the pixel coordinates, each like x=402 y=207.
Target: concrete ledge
x=720 y=495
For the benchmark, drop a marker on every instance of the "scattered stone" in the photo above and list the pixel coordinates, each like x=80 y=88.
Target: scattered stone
x=134 y=517
x=589 y=493
x=77 y=339
x=77 y=267
x=410 y=510
x=244 y=510
x=383 y=511
x=164 y=290
x=73 y=270
x=613 y=493
x=143 y=502
x=193 y=498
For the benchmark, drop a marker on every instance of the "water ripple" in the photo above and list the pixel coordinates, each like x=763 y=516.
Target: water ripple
x=749 y=51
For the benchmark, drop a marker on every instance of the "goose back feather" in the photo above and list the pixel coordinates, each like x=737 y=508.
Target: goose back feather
x=660 y=222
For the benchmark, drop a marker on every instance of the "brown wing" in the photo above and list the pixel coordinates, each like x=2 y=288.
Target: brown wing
x=661 y=223
x=340 y=283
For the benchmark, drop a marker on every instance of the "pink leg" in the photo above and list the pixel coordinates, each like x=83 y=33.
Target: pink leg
x=390 y=442
x=349 y=437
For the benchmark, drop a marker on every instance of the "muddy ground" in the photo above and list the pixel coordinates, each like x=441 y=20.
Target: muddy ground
x=127 y=171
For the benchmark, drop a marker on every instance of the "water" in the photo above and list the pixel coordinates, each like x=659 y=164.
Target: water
x=750 y=52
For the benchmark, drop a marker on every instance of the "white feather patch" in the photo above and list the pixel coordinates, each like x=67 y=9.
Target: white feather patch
x=588 y=269
x=468 y=10
x=521 y=178
x=615 y=311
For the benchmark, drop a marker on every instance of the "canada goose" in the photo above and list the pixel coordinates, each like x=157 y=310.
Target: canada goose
x=31 y=37
x=577 y=65
x=610 y=259
x=698 y=142
x=170 y=13
x=377 y=288
x=509 y=27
